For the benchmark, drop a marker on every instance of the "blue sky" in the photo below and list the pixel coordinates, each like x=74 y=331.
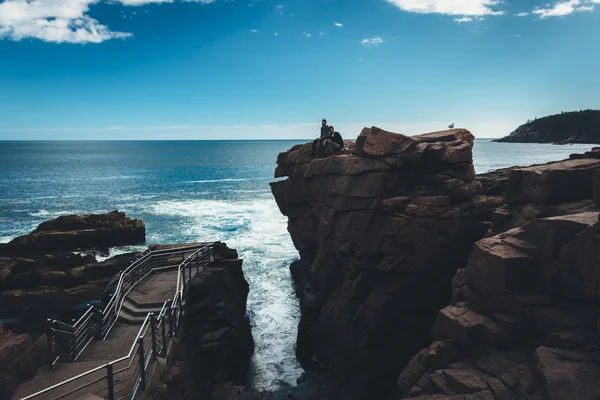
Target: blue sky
x=146 y=69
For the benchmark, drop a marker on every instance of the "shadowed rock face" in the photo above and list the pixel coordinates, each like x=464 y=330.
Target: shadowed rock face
x=217 y=344
x=525 y=324
x=19 y=360
x=380 y=235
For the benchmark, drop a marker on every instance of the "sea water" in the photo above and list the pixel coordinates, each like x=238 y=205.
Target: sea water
x=195 y=191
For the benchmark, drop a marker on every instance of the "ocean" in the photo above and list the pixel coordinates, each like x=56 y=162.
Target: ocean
x=195 y=191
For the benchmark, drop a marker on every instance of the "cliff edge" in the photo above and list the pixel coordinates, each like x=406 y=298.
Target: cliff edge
x=380 y=233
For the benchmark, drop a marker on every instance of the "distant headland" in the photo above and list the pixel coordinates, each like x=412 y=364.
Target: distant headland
x=566 y=127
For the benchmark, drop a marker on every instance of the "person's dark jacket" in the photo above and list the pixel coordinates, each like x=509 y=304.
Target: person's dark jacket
x=324 y=131
x=337 y=138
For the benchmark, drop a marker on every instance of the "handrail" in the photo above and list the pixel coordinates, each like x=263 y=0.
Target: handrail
x=169 y=319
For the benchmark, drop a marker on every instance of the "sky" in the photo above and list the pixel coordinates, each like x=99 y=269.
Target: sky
x=272 y=69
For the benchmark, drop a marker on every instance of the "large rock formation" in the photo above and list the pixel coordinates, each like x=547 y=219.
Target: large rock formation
x=524 y=324
x=41 y=277
x=71 y=232
x=380 y=235
x=217 y=345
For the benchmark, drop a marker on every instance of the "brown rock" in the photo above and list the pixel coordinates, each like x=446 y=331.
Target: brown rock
x=568 y=375
x=377 y=142
x=449 y=135
x=72 y=232
x=466 y=327
x=380 y=236
x=552 y=183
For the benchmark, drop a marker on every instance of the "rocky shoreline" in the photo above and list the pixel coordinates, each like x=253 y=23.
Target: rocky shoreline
x=391 y=234
x=416 y=279
x=45 y=274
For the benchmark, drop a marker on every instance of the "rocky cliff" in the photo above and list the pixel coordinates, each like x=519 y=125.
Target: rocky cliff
x=41 y=276
x=569 y=127
x=217 y=344
x=380 y=233
x=524 y=319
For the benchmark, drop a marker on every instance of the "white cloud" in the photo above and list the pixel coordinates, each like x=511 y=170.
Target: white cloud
x=450 y=7
x=463 y=19
x=562 y=8
x=279 y=8
x=276 y=34
x=60 y=21
x=253 y=30
x=372 y=42
x=339 y=25
x=522 y=14
x=307 y=34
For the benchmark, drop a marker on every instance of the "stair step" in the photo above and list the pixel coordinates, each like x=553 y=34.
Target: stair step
x=125 y=316
x=131 y=300
x=137 y=310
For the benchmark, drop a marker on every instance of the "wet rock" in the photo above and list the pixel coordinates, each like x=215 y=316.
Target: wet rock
x=72 y=232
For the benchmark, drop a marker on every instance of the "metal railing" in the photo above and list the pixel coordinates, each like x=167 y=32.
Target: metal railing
x=126 y=377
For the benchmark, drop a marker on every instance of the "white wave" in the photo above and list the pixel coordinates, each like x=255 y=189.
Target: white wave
x=252 y=191
x=115 y=251
x=227 y=180
x=51 y=214
x=258 y=231
x=5 y=239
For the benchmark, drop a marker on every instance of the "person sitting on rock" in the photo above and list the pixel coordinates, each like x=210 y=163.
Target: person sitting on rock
x=333 y=142
x=317 y=142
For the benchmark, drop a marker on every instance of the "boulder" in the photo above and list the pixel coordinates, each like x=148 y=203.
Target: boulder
x=552 y=183
x=378 y=142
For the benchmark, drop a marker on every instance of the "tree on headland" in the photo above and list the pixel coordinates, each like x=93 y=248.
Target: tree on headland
x=567 y=127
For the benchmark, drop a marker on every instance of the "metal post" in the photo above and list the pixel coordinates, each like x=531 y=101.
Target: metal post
x=153 y=332
x=142 y=363
x=50 y=343
x=73 y=343
x=110 y=381
x=197 y=265
x=190 y=273
x=163 y=351
x=171 y=322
